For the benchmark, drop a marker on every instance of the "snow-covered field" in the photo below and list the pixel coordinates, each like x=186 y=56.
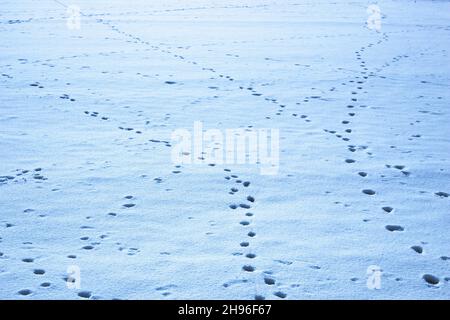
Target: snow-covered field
x=87 y=182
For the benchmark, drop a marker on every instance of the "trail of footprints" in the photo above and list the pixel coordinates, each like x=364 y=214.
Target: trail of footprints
x=88 y=243
x=248 y=265
x=38 y=272
x=93 y=114
x=239 y=189
x=23 y=175
x=97 y=115
x=359 y=82
x=92 y=242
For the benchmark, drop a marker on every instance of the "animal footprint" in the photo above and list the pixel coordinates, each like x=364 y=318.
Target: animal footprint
x=25 y=292
x=85 y=294
x=248 y=268
x=280 y=294
x=417 y=249
x=431 y=279
x=393 y=228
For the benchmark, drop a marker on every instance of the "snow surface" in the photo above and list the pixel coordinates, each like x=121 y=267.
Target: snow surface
x=66 y=166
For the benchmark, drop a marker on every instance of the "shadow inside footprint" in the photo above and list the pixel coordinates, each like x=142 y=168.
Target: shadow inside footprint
x=25 y=292
x=85 y=294
x=39 y=271
x=280 y=294
x=394 y=228
x=248 y=268
x=417 y=249
x=388 y=209
x=430 y=279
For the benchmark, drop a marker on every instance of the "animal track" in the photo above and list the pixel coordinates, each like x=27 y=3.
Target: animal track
x=431 y=279
x=165 y=289
x=388 y=209
x=280 y=294
x=417 y=249
x=95 y=115
x=39 y=272
x=85 y=294
x=23 y=175
x=442 y=194
x=342 y=133
x=248 y=268
x=393 y=228
x=369 y=192
x=25 y=292
x=362 y=174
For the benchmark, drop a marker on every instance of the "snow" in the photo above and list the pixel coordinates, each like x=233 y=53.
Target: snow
x=87 y=116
